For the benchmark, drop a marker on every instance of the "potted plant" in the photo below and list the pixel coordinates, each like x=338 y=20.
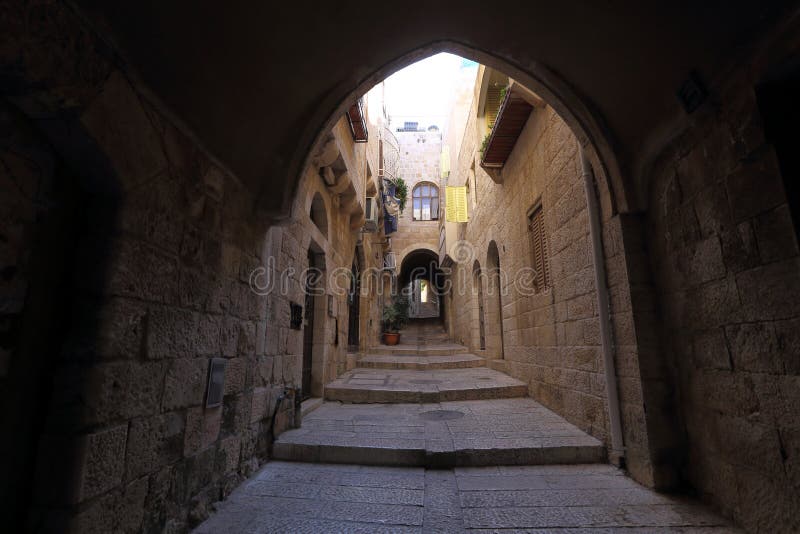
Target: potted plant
x=395 y=315
x=397 y=188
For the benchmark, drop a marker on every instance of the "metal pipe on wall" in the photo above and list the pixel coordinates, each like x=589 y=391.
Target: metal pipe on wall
x=603 y=310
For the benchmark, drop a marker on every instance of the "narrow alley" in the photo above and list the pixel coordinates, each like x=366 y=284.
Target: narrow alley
x=360 y=267
x=422 y=437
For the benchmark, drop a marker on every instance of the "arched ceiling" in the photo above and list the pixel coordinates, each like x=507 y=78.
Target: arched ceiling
x=257 y=81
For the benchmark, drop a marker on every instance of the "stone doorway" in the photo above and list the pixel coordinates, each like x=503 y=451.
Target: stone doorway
x=494 y=294
x=478 y=288
x=354 y=307
x=308 y=331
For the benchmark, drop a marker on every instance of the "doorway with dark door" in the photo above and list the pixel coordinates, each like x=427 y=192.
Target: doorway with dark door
x=353 y=305
x=308 y=328
x=478 y=286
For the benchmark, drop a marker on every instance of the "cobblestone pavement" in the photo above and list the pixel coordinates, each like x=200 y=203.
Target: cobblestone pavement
x=327 y=498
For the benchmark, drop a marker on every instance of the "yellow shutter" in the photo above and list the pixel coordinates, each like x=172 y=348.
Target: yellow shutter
x=492 y=105
x=456 y=203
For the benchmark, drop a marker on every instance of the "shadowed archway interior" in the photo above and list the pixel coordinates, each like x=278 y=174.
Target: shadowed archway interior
x=157 y=159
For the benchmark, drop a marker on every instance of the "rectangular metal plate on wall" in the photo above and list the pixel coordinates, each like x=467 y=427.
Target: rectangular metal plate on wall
x=216 y=382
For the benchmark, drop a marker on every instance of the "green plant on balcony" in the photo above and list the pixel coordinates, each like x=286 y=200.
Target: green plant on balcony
x=503 y=91
x=400 y=191
x=485 y=143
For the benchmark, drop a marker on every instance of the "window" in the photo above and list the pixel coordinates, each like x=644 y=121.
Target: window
x=425 y=198
x=541 y=261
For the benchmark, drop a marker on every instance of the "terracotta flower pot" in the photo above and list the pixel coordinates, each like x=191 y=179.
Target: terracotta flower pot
x=391 y=338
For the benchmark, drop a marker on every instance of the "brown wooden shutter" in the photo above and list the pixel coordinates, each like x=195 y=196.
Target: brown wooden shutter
x=541 y=260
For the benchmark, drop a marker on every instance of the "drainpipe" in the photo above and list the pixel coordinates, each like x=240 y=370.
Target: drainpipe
x=603 y=310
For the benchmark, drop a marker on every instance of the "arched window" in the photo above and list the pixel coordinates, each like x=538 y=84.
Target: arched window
x=426 y=202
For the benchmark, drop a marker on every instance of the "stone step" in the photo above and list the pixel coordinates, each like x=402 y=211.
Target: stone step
x=448 y=434
x=427 y=349
x=363 y=385
x=417 y=338
x=394 y=361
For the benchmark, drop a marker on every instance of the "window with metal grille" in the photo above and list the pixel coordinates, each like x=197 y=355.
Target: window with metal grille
x=541 y=260
x=426 y=202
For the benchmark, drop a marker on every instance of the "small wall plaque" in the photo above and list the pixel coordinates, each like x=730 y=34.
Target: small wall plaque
x=296 y=320
x=331 y=306
x=216 y=382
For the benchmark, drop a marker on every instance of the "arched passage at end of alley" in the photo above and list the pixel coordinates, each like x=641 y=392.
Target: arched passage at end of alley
x=198 y=247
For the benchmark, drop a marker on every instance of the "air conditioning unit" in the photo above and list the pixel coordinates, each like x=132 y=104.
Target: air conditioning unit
x=390 y=261
x=371 y=216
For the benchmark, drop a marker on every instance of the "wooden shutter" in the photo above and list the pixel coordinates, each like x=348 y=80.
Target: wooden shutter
x=492 y=105
x=541 y=260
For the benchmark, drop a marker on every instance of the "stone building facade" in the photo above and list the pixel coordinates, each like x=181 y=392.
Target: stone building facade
x=420 y=153
x=705 y=343
x=548 y=338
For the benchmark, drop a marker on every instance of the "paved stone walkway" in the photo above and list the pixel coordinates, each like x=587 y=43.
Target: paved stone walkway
x=461 y=414
x=449 y=361
x=409 y=385
x=488 y=432
x=326 y=498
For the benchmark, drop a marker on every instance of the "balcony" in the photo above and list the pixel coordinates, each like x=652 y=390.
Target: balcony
x=511 y=118
x=358 y=122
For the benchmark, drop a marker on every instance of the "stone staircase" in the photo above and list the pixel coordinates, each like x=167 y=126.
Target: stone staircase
x=429 y=402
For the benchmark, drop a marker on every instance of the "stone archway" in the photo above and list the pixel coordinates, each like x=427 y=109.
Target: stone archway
x=161 y=274
x=421 y=280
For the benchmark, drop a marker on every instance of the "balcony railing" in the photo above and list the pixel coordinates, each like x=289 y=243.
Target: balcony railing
x=358 y=122
x=511 y=118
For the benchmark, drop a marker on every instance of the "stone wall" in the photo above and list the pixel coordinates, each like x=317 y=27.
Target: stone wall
x=728 y=274
x=128 y=262
x=173 y=292
x=549 y=339
x=340 y=245
x=420 y=154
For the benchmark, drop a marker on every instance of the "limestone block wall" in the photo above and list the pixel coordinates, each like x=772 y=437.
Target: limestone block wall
x=728 y=275
x=162 y=287
x=549 y=339
x=420 y=154
x=338 y=245
x=127 y=265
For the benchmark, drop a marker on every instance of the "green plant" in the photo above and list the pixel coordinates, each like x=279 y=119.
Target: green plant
x=503 y=91
x=400 y=192
x=395 y=315
x=485 y=143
